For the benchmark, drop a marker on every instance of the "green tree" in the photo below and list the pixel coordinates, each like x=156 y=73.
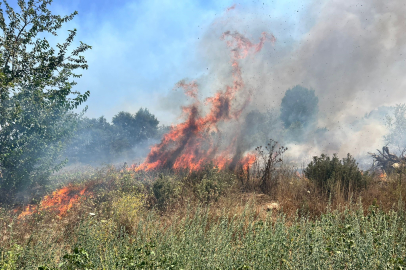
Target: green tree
x=136 y=128
x=36 y=94
x=147 y=124
x=92 y=143
x=97 y=141
x=299 y=107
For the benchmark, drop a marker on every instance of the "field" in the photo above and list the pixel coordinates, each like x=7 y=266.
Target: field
x=115 y=218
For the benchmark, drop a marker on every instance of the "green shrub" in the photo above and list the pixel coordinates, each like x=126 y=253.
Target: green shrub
x=165 y=190
x=329 y=174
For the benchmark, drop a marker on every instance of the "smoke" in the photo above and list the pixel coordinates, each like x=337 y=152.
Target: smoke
x=352 y=53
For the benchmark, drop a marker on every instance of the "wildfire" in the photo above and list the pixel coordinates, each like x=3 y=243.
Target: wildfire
x=199 y=140
x=383 y=176
x=59 y=202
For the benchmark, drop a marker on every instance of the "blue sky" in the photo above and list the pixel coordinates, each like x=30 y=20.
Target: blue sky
x=142 y=48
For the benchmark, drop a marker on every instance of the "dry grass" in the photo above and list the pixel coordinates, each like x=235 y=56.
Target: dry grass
x=120 y=200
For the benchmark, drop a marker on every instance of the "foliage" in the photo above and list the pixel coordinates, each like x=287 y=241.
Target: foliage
x=92 y=141
x=9 y=259
x=78 y=259
x=299 y=107
x=98 y=141
x=347 y=239
x=329 y=174
x=119 y=234
x=36 y=96
x=127 y=208
x=165 y=190
x=212 y=183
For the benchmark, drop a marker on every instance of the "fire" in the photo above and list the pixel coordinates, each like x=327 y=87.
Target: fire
x=383 y=176
x=59 y=202
x=199 y=140
x=248 y=160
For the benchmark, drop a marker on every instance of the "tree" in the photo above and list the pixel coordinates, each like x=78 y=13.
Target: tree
x=136 y=128
x=97 y=141
x=36 y=94
x=299 y=107
x=92 y=143
x=147 y=124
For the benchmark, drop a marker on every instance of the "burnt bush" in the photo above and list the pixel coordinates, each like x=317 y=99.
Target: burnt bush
x=333 y=174
x=270 y=158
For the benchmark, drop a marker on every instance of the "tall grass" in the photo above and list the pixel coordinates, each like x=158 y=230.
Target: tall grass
x=345 y=239
x=210 y=221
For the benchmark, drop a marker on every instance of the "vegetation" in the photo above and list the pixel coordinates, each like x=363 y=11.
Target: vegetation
x=97 y=141
x=335 y=174
x=299 y=107
x=332 y=217
x=120 y=224
x=36 y=95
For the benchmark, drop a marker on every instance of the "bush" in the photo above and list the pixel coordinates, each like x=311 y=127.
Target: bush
x=329 y=174
x=271 y=158
x=164 y=191
x=213 y=184
x=127 y=208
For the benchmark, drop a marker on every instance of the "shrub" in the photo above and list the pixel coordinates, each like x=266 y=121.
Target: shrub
x=165 y=191
x=127 y=208
x=213 y=184
x=270 y=157
x=328 y=174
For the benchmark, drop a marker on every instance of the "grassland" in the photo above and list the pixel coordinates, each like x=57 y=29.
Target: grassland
x=209 y=220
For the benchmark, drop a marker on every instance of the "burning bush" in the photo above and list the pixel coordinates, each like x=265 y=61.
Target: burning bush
x=335 y=175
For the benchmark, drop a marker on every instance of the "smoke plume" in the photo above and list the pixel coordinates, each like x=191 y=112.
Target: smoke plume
x=352 y=53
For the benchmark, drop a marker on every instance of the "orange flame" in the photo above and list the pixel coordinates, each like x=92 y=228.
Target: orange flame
x=60 y=201
x=248 y=160
x=198 y=140
x=383 y=176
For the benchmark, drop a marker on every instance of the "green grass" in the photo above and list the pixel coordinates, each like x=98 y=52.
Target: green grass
x=337 y=240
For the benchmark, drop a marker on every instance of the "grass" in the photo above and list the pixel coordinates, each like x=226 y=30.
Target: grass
x=209 y=220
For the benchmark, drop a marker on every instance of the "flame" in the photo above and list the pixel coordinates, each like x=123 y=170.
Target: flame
x=59 y=202
x=29 y=209
x=383 y=176
x=198 y=140
x=248 y=160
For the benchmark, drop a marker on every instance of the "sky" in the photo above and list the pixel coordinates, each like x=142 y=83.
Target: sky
x=141 y=49
x=352 y=53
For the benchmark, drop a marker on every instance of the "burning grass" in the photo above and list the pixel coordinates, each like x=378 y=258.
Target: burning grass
x=207 y=219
